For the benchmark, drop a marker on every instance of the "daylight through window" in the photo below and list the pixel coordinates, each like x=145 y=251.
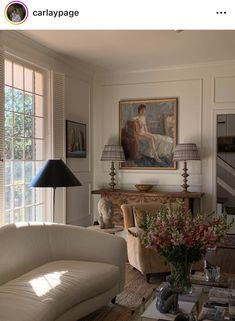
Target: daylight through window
x=24 y=141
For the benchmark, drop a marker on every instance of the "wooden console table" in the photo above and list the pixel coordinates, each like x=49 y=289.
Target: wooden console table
x=119 y=197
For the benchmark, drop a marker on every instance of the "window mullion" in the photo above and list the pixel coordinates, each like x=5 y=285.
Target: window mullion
x=23 y=155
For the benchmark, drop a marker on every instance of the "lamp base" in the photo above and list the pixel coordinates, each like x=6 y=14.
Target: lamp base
x=185 y=176
x=112 y=174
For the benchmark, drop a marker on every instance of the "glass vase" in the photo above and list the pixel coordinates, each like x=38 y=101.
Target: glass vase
x=181 y=276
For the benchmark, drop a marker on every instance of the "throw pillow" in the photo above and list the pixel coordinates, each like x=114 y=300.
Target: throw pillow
x=135 y=231
x=141 y=215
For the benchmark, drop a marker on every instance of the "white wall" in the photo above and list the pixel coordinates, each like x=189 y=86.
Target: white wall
x=78 y=107
x=202 y=90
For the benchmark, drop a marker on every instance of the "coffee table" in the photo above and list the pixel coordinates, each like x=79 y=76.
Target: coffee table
x=197 y=303
x=187 y=304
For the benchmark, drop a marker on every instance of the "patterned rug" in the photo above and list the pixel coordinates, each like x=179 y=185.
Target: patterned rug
x=129 y=303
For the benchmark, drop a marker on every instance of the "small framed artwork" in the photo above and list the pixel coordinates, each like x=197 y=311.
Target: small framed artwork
x=75 y=139
x=148 y=131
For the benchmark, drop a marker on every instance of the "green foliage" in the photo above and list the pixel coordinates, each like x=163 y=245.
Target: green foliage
x=18 y=148
x=8 y=148
x=179 y=253
x=18 y=125
x=18 y=132
x=28 y=104
x=28 y=126
x=18 y=100
x=8 y=98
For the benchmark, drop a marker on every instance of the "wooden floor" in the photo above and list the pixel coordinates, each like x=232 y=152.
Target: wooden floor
x=129 y=302
x=137 y=290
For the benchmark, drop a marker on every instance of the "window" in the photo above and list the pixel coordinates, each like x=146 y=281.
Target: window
x=24 y=150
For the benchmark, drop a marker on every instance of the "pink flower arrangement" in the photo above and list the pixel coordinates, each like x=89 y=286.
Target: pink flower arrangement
x=177 y=233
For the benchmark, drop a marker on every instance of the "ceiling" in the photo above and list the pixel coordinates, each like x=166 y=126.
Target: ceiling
x=121 y=50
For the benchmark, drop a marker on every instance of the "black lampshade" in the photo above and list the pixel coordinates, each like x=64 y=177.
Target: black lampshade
x=54 y=173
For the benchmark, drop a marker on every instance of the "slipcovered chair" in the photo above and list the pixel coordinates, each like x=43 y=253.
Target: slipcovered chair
x=146 y=260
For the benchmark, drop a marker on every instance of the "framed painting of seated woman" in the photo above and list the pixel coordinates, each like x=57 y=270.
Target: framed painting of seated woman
x=148 y=131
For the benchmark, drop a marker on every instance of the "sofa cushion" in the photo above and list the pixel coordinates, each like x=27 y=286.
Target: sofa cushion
x=46 y=292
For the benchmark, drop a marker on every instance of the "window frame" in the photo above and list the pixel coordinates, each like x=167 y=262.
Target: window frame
x=47 y=128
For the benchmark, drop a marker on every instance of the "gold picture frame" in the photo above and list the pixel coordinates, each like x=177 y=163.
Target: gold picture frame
x=148 y=133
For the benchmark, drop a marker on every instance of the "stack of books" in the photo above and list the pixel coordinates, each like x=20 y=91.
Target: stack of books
x=220 y=305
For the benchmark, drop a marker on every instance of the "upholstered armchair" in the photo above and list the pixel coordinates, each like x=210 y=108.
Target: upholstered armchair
x=147 y=261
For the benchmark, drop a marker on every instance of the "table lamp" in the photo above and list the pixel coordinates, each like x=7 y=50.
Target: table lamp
x=184 y=152
x=113 y=153
x=54 y=173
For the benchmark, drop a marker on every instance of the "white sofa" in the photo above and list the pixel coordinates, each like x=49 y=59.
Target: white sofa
x=53 y=272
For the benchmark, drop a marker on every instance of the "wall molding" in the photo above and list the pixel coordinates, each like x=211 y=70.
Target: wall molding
x=198 y=84
x=19 y=44
x=151 y=82
x=231 y=77
x=204 y=66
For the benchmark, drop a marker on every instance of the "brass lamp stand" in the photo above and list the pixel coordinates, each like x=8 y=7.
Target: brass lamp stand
x=112 y=174
x=184 y=152
x=185 y=175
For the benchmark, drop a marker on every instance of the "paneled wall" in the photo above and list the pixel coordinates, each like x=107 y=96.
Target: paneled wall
x=78 y=109
x=203 y=91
